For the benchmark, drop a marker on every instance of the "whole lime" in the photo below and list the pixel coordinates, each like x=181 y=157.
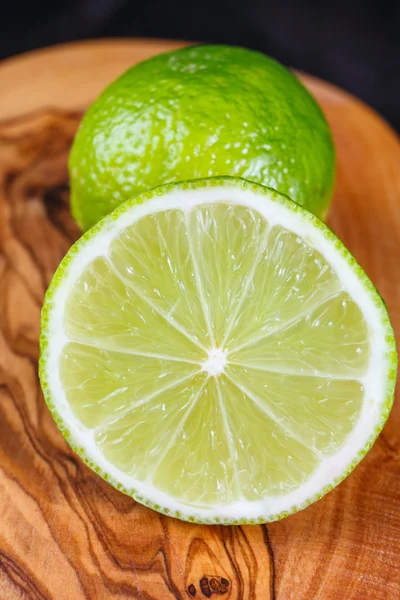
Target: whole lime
x=199 y=112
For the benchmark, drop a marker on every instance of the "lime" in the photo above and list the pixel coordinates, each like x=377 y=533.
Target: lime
x=200 y=112
x=213 y=350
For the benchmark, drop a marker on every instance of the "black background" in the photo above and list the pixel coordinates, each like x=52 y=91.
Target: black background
x=353 y=43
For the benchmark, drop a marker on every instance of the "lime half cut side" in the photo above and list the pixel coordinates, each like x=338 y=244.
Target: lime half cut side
x=214 y=351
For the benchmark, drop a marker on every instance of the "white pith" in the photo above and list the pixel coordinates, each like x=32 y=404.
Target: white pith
x=215 y=363
x=374 y=382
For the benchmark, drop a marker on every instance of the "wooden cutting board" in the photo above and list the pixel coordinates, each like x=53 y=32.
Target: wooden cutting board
x=67 y=535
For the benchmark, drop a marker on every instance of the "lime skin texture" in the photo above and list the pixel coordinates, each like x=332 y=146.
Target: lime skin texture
x=199 y=112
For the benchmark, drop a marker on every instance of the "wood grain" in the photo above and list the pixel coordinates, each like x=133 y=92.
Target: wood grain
x=65 y=533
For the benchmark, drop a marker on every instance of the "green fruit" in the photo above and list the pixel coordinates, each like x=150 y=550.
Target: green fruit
x=214 y=351
x=199 y=112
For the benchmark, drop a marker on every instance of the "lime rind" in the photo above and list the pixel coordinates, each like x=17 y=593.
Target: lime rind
x=185 y=512
x=154 y=125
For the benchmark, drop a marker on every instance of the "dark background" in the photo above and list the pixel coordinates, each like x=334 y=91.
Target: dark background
x=353 y=43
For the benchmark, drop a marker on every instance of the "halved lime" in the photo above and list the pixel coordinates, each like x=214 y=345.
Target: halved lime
x=214 y=351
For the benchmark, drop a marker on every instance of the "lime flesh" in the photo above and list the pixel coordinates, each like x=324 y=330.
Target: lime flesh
x=216 y=356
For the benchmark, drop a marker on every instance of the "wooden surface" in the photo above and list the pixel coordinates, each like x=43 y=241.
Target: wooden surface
x=65 y=533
